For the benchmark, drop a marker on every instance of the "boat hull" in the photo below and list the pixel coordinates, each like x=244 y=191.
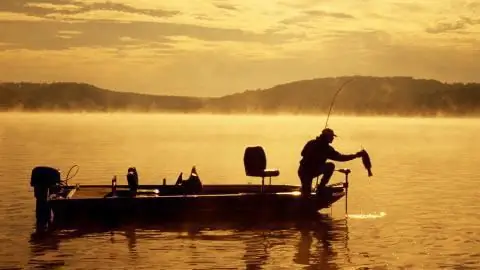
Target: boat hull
x=161 y=203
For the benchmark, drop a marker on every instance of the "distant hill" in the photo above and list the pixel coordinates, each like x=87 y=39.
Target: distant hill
x=364 y=95
x=72 y=97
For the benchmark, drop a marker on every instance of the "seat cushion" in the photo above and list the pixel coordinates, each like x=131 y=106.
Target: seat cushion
x=265 y=173
x=271 y=172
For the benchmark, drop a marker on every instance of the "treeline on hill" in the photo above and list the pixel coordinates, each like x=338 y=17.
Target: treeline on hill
x=364 y=95
x=73 y=97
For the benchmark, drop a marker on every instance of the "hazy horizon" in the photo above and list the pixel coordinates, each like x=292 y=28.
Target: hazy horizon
x=192 y=94
x=216 y=48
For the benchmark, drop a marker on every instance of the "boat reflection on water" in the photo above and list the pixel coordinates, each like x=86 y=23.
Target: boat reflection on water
x=319 y=242
x=40 y=247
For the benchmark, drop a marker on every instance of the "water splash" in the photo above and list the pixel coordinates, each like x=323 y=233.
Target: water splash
x=367 y=216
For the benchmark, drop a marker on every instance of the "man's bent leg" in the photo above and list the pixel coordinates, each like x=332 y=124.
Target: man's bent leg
x=306 y=182
x=327 y=172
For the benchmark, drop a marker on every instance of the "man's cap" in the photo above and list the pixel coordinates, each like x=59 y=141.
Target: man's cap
x=328 y=131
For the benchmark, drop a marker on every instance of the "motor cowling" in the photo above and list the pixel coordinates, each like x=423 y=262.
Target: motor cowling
x=42 y=179
x=45 y=177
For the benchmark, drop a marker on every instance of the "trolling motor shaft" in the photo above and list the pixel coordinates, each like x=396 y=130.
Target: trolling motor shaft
x=345 y=185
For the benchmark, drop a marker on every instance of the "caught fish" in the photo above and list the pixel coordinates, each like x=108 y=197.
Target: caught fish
x=367 y=163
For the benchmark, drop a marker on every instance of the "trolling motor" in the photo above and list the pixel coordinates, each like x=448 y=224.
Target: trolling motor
x=45 y=181
x=341 y=186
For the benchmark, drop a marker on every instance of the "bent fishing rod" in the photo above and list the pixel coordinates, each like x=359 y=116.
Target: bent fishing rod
x=335 y=96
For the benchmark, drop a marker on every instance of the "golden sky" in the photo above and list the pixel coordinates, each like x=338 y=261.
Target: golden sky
x=215 y=47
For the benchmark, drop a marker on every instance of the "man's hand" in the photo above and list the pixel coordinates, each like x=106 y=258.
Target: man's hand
x=360 y=154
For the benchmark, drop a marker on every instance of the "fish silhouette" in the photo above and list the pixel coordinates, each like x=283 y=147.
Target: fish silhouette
x=367 y=163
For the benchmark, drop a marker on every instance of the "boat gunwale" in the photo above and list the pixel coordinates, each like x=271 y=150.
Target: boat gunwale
x=72 y=191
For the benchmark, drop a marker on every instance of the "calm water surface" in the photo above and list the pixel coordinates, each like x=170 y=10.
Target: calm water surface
x=419 y=211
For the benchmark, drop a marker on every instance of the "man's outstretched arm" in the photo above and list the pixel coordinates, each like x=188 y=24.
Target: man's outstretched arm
x=334 y=155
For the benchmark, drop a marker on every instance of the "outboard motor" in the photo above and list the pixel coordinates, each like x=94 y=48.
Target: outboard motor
x=132 y=179
x=43 y=180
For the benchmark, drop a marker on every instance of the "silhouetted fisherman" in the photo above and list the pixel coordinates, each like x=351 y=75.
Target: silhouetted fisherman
x=314 y=161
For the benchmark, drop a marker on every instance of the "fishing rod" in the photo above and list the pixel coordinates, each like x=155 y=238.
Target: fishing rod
x=335 y=96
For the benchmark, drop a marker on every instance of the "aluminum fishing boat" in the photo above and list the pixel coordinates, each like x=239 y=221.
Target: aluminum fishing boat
x=59 y=203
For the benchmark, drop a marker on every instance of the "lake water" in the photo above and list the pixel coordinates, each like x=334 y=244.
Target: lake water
x=420 y=210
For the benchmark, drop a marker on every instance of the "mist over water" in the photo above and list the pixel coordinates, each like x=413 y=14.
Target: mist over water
x=419 y=210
